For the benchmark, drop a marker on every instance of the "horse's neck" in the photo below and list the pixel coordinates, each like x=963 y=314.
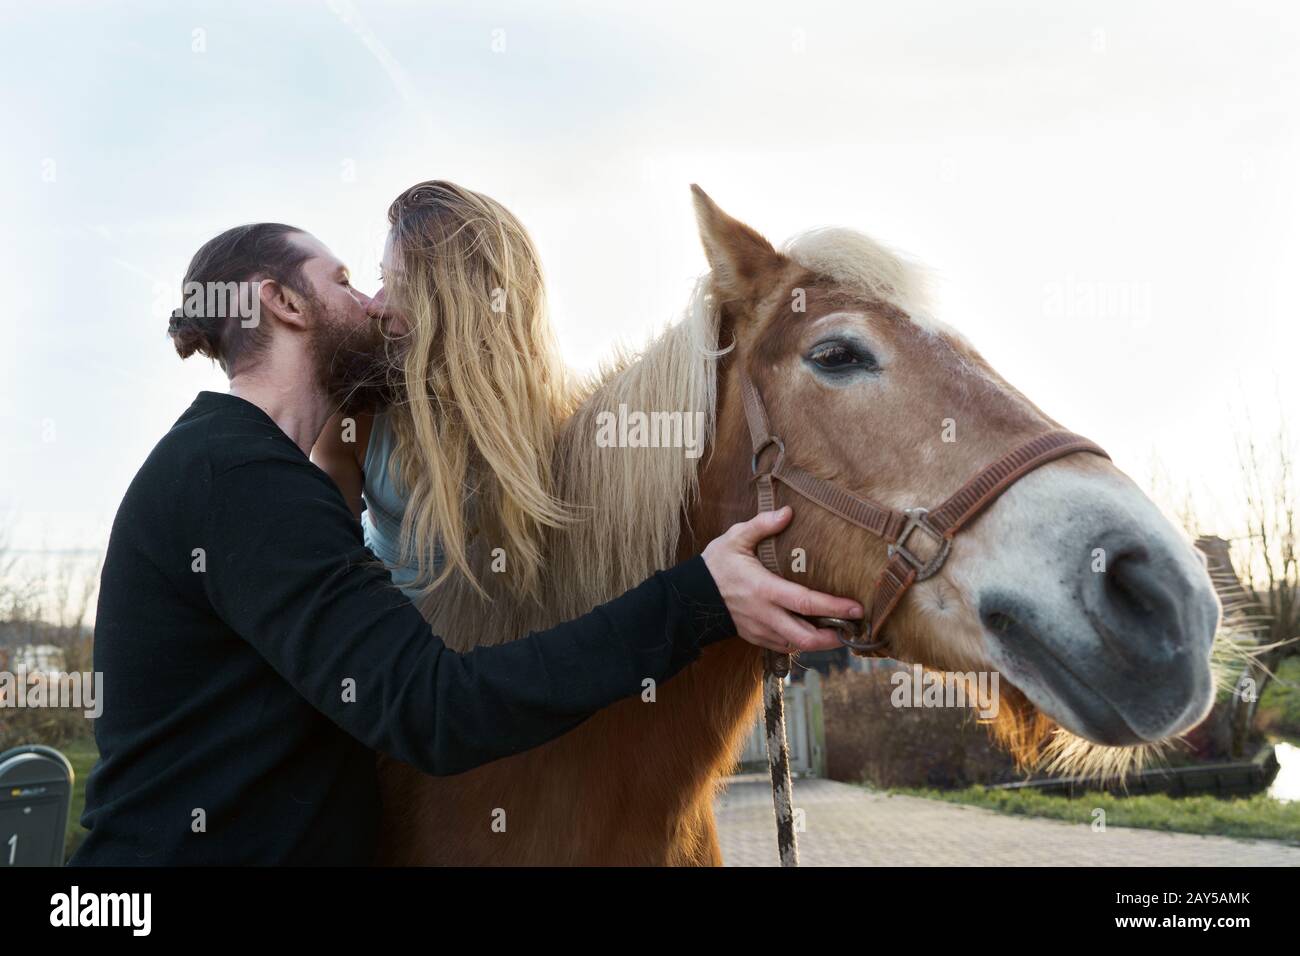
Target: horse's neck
x=720 y=692
x=672 y=754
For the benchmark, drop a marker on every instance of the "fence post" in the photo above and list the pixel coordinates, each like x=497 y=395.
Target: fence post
x=812 y=682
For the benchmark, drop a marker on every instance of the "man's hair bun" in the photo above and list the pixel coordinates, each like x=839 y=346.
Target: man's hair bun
x=188 y=337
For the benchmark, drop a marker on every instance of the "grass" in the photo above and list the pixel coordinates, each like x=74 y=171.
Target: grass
x=82 y=754
x=1258 y=817
x=1278 y=712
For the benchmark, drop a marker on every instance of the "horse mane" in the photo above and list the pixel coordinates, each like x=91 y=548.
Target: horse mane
x=856 y=261
x=635 y=498
x=629 y=502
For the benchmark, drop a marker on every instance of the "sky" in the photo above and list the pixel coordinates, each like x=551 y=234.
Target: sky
x=1105 y=193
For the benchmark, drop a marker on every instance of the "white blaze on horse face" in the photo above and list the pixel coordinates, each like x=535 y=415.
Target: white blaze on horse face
x=922 y=320
x=831 y=320
x=1120 y=659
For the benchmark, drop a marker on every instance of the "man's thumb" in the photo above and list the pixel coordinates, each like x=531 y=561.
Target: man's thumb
x=763 y=525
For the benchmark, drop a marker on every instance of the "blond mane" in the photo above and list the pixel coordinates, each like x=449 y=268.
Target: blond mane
x=855 y=260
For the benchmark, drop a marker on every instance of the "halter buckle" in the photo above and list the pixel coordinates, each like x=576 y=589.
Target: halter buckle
x=924 y=568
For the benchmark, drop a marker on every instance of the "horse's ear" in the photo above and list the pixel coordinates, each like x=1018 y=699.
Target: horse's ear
x=744 y=264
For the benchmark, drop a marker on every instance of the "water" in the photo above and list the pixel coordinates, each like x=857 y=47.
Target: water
x=1286 y=785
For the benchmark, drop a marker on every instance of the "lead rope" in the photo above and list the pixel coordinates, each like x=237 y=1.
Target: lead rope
x=775 y=665
x=778 y=755
x=775 y=668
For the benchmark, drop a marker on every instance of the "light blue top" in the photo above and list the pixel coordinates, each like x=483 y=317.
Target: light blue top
x=381 y=522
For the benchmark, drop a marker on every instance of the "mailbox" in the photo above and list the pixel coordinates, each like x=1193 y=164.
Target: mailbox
x=35 y=795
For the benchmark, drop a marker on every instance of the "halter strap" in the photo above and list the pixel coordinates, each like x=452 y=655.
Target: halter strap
x=904 y=566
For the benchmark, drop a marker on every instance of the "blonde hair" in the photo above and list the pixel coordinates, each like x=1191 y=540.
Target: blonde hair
x=628 y=502
x=485 y=388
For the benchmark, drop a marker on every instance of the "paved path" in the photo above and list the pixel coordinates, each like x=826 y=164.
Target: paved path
x=851 y=826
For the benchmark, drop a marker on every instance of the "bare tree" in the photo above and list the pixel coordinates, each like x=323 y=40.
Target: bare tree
x=1260 y=590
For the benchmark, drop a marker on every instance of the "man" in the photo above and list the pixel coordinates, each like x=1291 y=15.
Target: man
x=255 y=655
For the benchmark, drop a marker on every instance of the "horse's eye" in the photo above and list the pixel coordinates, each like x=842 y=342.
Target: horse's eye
x=834 y=355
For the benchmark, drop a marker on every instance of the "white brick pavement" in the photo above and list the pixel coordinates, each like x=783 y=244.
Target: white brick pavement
x=852 y=826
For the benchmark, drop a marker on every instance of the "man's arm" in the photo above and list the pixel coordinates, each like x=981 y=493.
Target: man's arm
x=287 y=571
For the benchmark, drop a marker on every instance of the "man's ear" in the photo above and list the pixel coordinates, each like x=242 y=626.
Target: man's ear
x=282 y=302
x=744 y=264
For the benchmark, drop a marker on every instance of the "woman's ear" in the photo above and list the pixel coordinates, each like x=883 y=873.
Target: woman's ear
x=745 y=266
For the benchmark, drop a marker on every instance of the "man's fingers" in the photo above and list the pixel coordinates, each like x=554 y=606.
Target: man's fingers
x=773 y=607
x=795 y=633
x=810 y=603
x=827 y=640
x=802 y=636
x=763 y=525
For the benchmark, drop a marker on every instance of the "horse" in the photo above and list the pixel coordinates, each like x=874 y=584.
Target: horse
x=875 y=394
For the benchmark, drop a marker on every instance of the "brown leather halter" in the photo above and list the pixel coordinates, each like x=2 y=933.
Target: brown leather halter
x=904 y=566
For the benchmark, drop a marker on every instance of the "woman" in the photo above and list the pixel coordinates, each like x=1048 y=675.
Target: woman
x=483 y=387
x=462 y=451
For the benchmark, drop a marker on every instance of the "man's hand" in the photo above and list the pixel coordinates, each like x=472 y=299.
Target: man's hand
x=760 y=602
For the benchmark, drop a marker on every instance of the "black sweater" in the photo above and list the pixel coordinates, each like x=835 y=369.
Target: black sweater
x=255 y=656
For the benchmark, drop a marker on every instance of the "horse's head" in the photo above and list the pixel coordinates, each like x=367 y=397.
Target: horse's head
x=1072 y=585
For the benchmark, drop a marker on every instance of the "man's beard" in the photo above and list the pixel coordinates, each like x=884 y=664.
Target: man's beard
x=353 y=365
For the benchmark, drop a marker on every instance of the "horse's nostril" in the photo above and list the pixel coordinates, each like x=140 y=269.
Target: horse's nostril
x=998 y=622
x=1136 y=605
x=1130 y=583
